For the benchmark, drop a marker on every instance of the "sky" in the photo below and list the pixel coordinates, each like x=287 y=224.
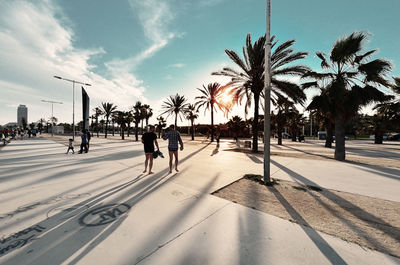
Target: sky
x=147 y=50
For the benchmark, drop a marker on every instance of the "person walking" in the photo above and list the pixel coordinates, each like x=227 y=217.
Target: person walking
x=173 y=137
x=70 y=146
x=83 y=142
x=88 y=136
x=148 y=140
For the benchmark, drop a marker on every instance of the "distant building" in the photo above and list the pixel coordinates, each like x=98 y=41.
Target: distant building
x=22 y=112
x=10 y=125
x=56 y=129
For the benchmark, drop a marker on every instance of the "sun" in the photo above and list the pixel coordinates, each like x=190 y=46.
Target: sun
x=226 y=99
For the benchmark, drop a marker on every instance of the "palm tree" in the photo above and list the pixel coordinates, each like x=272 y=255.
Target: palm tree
x=137 y=117
x=249 y=81
x=53 y=121
x=388 y=113
x=108 y=109
x=285 y=112
x=113 y=121
x=175 y=105
x=295 y=121
x=40 y=125
x=121 y=120
x=149 y=114
x=191 y=114
x=237 y=126
x=323 y=108
x=351 y=80
x=161 y=125
x=210 y=100
x=129 y=119
x=97 y=113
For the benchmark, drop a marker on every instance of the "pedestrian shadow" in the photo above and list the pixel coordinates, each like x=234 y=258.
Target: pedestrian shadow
x=64 y=234
x=215 y=151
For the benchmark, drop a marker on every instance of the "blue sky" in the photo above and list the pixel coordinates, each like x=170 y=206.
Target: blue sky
x=149 y=49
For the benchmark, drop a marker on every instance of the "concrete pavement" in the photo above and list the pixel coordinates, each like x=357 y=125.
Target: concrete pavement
x=98 y=208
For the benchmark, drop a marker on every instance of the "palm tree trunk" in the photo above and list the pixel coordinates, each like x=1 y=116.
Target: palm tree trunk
x=105 y=136
x=176 y=120
x=122 y=133
x=113 y=129
x=294 y=133
x=97 y=126
x=279 y=129
x=212 y=122
x=136 y=131
x=378 y=135
x=340 y=148
x=329 y=135
x=192 y=129
x=255 y=122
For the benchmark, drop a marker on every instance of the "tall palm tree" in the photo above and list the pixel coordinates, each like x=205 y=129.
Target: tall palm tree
x=108 y=109
x=389 y=112
x=162 y=123
x=97 y=113
x=175 y=105
x=352 y=82
x=149 y=114
x=323 y=108
x=137 y=117
x=40 y=124
x=210 y=100
x=121 y=120
x=129 y=119
x=191 y=114
x=248 y=82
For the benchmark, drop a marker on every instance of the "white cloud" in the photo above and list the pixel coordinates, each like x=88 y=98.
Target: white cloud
x=155 y=17
x=176 y=65
x=209 y=2
x=34 y=46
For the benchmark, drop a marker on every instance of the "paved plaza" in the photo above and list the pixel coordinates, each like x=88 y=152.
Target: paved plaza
x=98 y=208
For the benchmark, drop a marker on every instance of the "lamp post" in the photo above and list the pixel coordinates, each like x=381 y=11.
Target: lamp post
x=52 y=103
x=267 y=96
x=73 y=100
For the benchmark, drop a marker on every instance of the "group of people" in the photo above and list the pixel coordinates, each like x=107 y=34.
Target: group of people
x=149 y=139
x=85 y=141
x=17 y=133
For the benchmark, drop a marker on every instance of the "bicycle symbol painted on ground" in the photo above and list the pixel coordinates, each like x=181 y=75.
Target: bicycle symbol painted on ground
x=104 y=214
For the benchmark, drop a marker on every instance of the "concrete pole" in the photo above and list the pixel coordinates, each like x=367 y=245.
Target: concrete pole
x=73 y=110
x=52 y=120
x=267 y=96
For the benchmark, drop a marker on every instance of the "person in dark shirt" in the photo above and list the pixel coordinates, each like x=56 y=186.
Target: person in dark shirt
x=88 y=136
x=148 y=140
x=83 y=142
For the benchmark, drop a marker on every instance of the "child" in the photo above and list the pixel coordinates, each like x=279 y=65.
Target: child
x=70 y=146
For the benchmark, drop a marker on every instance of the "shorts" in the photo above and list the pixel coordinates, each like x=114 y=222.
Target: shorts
x=149 y=149
x=173 y=149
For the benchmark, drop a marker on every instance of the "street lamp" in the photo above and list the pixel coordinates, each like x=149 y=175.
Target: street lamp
x=267 y=97
x=52 y=103
x=73 y=100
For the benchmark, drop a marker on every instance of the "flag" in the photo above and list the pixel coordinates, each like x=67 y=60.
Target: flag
x=85 y=109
